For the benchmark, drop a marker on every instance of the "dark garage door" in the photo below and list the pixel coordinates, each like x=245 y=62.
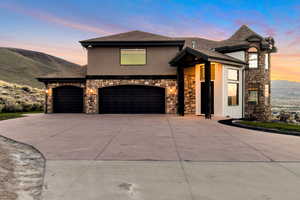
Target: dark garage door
x=68 y=99
x=132 y=99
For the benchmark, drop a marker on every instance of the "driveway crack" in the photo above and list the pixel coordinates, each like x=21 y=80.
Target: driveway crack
x=109 y=142
x=180 y=160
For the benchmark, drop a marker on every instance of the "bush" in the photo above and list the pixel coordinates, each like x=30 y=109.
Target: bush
x=13 y=108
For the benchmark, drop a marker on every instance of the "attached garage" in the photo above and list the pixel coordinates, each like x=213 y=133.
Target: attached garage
x=132 y=99
x=68 y=99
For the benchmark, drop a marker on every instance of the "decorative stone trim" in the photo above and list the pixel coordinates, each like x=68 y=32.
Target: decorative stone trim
x=49 y=94
x=92 y=86
x=189 y=91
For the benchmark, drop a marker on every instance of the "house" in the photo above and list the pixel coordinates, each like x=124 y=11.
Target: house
x=140 y=72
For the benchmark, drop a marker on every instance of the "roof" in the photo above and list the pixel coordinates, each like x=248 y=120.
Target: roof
x=208 y=55
x=70 y=75
x=131 y=36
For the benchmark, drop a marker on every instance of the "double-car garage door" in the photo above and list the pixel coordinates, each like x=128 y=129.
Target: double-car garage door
x=115 y=99
x=132 y=99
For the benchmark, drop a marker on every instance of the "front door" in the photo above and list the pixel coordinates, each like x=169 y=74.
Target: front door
x=203 y=100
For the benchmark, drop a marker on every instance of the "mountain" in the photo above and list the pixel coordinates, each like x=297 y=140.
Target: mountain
x=22 y=66
x=285 y=94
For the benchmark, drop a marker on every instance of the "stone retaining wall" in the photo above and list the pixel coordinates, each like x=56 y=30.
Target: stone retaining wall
x=22 y=169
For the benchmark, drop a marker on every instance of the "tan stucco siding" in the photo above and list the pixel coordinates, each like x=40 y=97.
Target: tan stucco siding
x=106 y=61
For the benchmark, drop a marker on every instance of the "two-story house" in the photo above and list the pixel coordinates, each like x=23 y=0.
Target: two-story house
x=140 y=72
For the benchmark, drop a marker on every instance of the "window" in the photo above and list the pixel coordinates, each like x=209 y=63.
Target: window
x=266 y=61
x=233 y=74
x=267 y=94
x=253 y=60
x=133 y=56
x=194 y=44
x=233 y=94
x=212 y=72
x=253 y=96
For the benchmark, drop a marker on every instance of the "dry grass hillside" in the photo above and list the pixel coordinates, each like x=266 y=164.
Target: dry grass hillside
x=20 y=98
x=23 y=66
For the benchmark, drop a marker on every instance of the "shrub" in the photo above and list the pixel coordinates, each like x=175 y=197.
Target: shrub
x=13 y=107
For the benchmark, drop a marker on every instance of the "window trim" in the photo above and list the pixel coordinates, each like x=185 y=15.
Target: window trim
x=120 y=56
x=238 y=93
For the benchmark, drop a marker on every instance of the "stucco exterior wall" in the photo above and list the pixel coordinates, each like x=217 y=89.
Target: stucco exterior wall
x=106 y=61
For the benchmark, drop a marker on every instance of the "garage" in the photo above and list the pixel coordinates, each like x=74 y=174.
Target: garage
x=132 y=99
x=68 y=99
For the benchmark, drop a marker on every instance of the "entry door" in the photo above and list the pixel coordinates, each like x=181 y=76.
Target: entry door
x=132 y=99
x=203 y=100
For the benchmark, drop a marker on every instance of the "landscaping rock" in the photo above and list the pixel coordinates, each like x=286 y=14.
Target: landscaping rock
x=22 y=169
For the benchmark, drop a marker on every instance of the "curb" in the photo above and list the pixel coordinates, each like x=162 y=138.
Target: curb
x=233 y=122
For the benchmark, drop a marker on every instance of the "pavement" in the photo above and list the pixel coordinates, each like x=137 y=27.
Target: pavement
x=158 y=157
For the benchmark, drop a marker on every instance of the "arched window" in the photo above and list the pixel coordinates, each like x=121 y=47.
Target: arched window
x=253 y=58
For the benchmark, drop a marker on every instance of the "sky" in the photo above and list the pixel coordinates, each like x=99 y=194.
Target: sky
x=55 y=27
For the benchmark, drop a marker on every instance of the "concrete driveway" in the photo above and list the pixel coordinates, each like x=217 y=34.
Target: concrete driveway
x=147 y=137
x=145 y=157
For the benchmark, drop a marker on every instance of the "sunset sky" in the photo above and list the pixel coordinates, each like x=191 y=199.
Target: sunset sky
x=55 y=27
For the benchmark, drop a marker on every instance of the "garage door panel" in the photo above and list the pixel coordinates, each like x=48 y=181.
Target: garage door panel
x=132 y=99
x=68 y=99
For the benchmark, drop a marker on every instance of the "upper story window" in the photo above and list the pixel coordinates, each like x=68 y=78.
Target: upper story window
x=266 y=61
x=194 y=44
x=253 y=58
x=133 y=56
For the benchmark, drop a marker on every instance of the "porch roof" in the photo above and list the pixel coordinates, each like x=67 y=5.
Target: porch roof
x=190 y=56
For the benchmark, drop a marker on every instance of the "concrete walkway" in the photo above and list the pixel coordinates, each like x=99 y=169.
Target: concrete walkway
x=171 y=180
x=146 y=157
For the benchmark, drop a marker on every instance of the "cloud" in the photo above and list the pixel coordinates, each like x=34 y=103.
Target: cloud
x=47 y=17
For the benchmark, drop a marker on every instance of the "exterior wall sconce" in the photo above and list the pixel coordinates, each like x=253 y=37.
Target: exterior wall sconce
x=91 y=91
x=47 y=91
x=172 y=90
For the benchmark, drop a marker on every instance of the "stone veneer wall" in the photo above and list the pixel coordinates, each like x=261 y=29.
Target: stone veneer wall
x=189 y=91
x=257 y=79
x=22 y=170
x=50 y=87
x=92 y=86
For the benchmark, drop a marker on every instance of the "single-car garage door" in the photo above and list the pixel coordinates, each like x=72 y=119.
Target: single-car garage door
x=68 y=99
x=132 y=99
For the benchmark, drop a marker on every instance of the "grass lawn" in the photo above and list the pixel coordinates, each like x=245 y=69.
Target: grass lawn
x=273 y=125
x=4 y=116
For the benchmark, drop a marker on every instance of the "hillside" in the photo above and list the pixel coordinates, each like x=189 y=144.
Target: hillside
x=18 y=98
x=22 y=66
x=286 y=94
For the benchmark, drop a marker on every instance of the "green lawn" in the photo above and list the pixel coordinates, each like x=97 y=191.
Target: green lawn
x=4 y=116
x=273 y=125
